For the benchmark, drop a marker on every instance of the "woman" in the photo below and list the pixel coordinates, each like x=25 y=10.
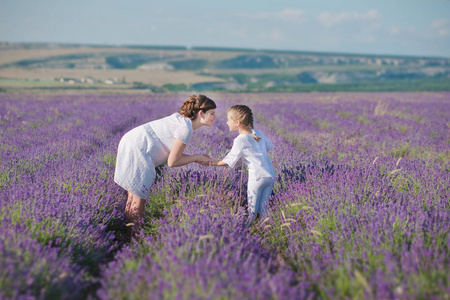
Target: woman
x=155 y=143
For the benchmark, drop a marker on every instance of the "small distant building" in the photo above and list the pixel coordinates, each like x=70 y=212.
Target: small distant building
x=111 y=81
x=88 y=80
x=68 y=80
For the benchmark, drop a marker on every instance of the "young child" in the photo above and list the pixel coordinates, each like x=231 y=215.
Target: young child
x=253 y=146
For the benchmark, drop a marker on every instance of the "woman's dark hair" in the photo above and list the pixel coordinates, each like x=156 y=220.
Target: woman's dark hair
x=194 y=104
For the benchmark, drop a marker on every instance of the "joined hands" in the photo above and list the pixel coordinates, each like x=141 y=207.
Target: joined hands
x=205 y=160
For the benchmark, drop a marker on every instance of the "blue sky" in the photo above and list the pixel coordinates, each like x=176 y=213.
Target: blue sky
x=388 y=27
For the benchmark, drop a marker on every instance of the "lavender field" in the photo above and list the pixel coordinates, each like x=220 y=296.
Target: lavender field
x=360 y=207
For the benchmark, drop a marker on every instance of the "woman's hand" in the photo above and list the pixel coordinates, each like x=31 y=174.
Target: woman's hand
x=212 y=163
x=177 y=158
x=204 y=160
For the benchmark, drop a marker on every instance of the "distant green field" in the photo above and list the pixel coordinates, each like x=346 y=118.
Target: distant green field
x=179 y=69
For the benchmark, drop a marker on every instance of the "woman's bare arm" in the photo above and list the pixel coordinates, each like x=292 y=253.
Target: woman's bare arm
x=177 y=158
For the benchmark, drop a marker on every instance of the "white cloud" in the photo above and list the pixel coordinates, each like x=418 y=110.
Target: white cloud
x=240 y=33
x=443 y=32
x=288 y=15
x=440 y=23
x=395 y=30
x=441 y=27
x=437 y=29
x=328 y=19
x=274 y=35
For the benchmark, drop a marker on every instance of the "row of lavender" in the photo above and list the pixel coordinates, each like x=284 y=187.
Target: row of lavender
x=361 y=203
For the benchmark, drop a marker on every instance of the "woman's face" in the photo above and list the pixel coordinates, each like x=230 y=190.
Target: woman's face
x=209 y=117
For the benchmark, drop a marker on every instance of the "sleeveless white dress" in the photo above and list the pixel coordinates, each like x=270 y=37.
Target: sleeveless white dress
x=145 y=147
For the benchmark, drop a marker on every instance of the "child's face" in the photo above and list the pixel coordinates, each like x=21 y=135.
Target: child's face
x=232 y=124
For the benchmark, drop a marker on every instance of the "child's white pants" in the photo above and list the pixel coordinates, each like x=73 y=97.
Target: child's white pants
x=258 y=193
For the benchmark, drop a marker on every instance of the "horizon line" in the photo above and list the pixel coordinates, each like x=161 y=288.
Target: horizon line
x=218 y=48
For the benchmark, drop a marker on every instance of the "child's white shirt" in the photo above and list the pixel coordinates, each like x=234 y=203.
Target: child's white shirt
x=255 y=154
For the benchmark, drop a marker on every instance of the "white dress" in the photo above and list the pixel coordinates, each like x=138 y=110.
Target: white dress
x=261 y=174
x=145 y=147
x=255 y=155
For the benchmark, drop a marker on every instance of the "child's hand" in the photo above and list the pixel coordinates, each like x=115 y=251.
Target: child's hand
x=204 y=160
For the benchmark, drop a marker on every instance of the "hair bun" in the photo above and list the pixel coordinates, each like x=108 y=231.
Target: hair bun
x=194 y=103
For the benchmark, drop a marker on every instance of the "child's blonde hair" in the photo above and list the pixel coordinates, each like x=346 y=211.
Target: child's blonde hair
x=243 y=114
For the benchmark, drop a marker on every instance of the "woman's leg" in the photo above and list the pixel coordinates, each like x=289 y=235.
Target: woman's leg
x=134 y=211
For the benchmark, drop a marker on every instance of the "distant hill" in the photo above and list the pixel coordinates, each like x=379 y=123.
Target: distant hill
x=218 y=69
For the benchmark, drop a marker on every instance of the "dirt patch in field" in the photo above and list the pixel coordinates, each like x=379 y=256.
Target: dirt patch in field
x=8 y=56
x=153 y=77
x=11 y=56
